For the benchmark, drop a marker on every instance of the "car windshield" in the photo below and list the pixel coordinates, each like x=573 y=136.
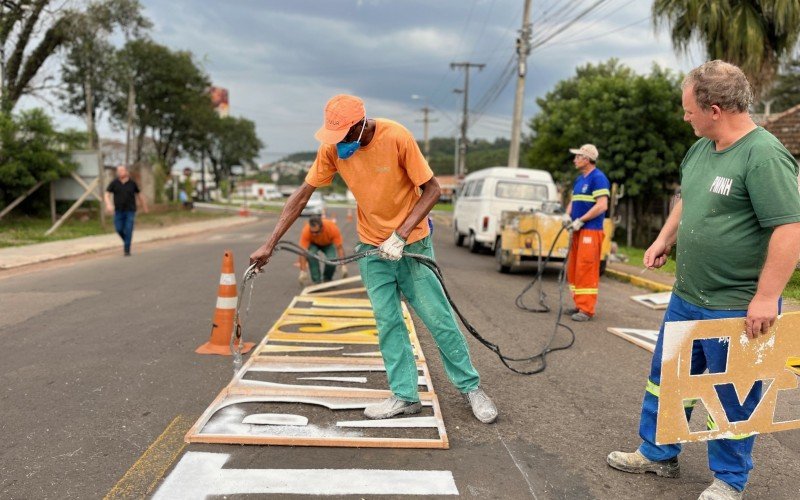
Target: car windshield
x=521 y=191
x=315 y=197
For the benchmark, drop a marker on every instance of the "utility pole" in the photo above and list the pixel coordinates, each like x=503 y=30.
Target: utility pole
x=523 y=49
x=426 y=140
x=462 y=157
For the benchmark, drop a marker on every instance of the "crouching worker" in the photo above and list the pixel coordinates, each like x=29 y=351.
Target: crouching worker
x=320 y=235
x=395 y=189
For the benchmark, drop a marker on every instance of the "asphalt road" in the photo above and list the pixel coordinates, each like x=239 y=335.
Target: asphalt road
x=98 y=360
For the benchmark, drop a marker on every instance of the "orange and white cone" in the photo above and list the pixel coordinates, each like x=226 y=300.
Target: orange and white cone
x=222 y=327
x=349 y=215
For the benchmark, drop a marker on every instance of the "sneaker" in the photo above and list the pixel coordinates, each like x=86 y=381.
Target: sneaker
x=482 y=407
x=392 y=407
x=720 y=490
x=636 y=463
x=571 y=311
x=127 y=254
x=581 y=316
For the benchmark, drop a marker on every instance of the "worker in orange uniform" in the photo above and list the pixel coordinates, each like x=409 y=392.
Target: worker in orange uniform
x=320 y=235
x=584 y=217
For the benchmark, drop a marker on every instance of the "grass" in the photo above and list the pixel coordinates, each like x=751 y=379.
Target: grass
x=23 y=230
x=635 y=256
x=443 y=207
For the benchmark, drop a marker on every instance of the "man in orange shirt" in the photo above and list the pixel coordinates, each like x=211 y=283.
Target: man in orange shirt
x=320 y=235
x=382 y=165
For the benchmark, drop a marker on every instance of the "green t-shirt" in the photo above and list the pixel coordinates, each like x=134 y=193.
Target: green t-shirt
x=732 y=200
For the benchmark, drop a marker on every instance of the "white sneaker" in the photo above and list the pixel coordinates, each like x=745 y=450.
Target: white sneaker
x=392 y=407
x=482 y=407
x=720 y=490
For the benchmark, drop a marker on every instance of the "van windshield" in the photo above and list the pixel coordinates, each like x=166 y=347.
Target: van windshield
x=521 y=191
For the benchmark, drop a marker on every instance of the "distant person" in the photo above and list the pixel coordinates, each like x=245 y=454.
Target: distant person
x=737 y=230
x=585 y=215
x=395 y=189
x=125 y=192
x=320 y=235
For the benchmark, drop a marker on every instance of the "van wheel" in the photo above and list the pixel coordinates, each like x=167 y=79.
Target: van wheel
x=473 y=244
x=458 y=238
x=499 y=256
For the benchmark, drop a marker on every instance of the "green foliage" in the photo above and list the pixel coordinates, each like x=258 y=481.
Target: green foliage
x=756 y=35
x=227 y=141
x=31 y=150
x=634 y=120
x=786 y=91
x=170 y=98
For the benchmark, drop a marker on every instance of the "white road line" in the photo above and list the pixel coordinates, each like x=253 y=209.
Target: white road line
x=199 y=475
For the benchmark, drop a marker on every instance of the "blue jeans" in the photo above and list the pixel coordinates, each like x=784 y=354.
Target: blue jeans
x=730 y=459
x=123 y=223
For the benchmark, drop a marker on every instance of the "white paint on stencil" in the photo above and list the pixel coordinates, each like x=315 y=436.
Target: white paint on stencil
x=763 y=347
x=355 y=380
x=275 y=419
x=391 y=422
x=199 y=475
x=674 y=334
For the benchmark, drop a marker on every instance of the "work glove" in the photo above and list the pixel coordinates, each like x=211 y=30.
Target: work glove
x=392 y=249
x=304 y=279
x=344 y=271
x=576 y=225
x=566 y=220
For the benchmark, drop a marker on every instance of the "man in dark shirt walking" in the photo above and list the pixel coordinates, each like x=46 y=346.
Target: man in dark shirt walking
x=125 y=192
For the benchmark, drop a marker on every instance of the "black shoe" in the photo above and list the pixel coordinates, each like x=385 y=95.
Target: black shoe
x=571 y=311
x=127 y=254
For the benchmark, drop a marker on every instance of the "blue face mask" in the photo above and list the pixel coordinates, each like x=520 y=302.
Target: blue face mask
x=347 y=149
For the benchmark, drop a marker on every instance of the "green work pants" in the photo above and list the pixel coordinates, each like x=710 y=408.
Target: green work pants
x=313 y=264
x=385 y=280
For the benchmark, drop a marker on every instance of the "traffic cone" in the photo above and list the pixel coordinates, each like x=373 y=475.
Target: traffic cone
x=244 y=211
x=222 y=327
x=349 y=215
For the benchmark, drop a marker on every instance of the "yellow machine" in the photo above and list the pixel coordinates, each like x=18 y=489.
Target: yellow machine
x=527 y=236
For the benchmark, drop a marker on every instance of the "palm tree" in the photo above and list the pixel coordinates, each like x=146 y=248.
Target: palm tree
x=756 y=35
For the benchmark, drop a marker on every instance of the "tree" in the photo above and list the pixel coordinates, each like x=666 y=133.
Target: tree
x=31 y=150
x=756 y=35
x=786 y=91
x=231 y=141
x=636 y=122
x=89 y=62
x=170 y=93
x=34 y=33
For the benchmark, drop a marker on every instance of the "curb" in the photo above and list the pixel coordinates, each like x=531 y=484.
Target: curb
x=636 y=280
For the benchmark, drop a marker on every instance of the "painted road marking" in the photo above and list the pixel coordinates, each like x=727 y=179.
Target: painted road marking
x=143 y=475
x=199 y=475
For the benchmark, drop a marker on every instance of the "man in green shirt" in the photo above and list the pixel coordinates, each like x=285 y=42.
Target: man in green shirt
x=737 y=229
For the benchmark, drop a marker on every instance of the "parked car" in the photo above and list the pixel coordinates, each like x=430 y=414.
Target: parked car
x=315 y=206
x=485 y=194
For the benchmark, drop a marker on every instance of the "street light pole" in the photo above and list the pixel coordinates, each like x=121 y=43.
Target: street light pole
x=523 y=49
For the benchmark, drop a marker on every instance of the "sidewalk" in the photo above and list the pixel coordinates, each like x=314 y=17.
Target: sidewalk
x=13 y=257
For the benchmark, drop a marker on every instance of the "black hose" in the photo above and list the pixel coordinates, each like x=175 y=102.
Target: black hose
x=434 y=267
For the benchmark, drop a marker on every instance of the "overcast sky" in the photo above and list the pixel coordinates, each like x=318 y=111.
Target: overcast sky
x=282 y=60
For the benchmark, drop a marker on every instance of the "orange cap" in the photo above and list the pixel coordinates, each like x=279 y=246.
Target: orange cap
x=342 y=112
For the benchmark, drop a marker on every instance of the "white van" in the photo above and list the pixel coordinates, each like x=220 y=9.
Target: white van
x=485 y=194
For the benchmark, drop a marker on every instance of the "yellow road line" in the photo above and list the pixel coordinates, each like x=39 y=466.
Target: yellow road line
x=154 y=462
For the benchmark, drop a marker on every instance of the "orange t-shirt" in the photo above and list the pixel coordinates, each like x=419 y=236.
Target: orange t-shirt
x=384 y=177
x=329 y=234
